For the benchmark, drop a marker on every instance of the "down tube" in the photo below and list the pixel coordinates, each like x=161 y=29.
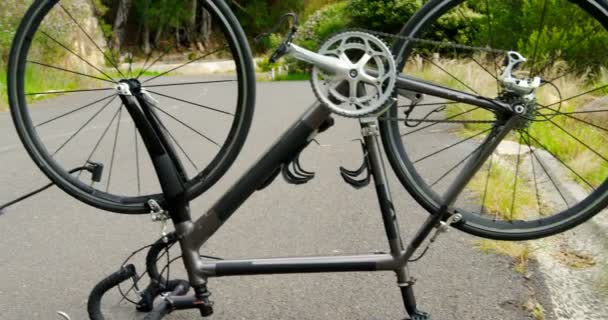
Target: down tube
x=284 y=150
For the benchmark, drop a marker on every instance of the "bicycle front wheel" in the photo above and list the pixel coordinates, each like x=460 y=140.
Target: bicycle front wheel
x=64 y=67
x=548 y=175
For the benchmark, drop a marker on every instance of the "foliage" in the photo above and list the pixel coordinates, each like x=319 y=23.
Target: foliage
x=567 y=30
x=324 y=23
x=382 y=15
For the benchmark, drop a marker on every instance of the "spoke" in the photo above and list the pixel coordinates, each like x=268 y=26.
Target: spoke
x=455 y=166
x=137 y=168
x=575 y=96
x=100 y=140
x=144 y=69
x=434 y=124
x=540 y=32
x=516 y=177
x=188 y=83
x=538 y=202
x=486 y=70
x=76 y=110
x=577 y=119
x=491 y=40
x=112 y=60
x=192 y=103
x=485 y=192
x=69 y=71
x=560 y=161
x=185 y=64
x=452 y=146
x=573 y=112
x=450 y=75
x=66 y=91
x=187 y=126
x=180 y=147
x=114 y=149
x=83 y=126
x=545 y=170
x=77 y=55
x=577 y=139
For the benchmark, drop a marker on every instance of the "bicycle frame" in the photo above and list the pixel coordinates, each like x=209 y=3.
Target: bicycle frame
x=193 y=235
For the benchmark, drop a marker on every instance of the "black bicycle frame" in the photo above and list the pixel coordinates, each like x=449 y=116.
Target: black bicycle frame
x=194 y=234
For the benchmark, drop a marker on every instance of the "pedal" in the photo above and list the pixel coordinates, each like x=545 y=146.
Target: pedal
x=354 y=178
x=293 y=172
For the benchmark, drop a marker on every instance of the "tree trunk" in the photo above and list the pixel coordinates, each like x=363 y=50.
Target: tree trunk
x=120 y=24
x=205 y=28
x=146 y=39
x=191 y=30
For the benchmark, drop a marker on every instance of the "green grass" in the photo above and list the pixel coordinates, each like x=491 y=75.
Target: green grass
x=518 y=251
x=38 y=79
x=499 y=201
x=292 y=77
x=3 y=92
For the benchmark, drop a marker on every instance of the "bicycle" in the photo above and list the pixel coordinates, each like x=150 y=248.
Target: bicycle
x=356 y=75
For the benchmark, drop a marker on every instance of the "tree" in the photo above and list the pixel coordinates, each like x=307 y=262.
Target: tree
x=120 y=23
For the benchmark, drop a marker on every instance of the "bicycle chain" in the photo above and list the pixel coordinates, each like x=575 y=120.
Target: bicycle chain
x=437 y=121
x=436 y=43
x=425 y=41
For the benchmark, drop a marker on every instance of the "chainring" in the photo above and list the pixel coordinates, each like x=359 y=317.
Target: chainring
x=368 y=87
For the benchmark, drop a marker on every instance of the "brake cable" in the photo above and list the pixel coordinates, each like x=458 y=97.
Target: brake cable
x=95 y=169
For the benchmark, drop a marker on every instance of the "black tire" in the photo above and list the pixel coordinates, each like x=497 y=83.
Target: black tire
x=236 y=45
x=474 y=223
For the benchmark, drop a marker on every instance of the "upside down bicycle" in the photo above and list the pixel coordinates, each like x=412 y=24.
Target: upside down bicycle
x=355 y=74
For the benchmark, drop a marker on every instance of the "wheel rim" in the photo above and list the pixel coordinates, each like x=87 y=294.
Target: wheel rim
x=206 y=113
x=493 y=222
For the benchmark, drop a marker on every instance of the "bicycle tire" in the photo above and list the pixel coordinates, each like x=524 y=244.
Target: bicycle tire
x=236 y=43
x=473 y=222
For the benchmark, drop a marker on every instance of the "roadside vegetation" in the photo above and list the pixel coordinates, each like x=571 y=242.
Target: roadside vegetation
x=519 y=252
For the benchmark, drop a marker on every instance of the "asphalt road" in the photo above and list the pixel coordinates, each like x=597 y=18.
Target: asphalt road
x=55 y=249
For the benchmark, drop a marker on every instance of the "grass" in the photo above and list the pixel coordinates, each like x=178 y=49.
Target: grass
x=3 y=90
x=292 y=77
x=575 y=260
x=39 y=79
x=499 y=203
x=519 y=252
x=538 y=312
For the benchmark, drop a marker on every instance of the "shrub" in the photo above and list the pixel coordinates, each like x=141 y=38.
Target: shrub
x=323 y=23
x=383 y=15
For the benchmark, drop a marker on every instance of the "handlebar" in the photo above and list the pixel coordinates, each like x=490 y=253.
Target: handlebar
x=94 y=304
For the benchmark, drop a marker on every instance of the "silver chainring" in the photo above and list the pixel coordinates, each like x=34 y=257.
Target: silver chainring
x=368 y=85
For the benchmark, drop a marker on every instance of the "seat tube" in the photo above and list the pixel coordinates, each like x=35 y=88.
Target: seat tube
x=369 y=130
x=389 y=216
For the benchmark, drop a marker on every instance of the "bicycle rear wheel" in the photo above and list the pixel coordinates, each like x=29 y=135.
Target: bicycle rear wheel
x=548 y=175
x=62 y=77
